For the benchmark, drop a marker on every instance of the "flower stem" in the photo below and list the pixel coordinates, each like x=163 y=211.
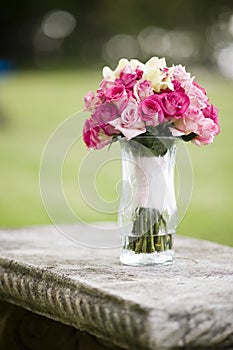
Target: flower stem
x=146 y=233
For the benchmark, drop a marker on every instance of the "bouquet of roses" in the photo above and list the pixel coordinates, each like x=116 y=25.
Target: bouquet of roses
x=150 y=99
x=153 y=100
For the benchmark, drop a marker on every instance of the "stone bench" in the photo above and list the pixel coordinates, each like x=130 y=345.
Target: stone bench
x=55 y=294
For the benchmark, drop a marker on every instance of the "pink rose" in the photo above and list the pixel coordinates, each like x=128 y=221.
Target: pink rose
x=129 y=124
x=106 y=84
x=151 y=112
x=181 y=75
x=194 y=114
x=199 y=87
x=197 y=96
x=91 y=101
x=128 y=77
x=211 y=112
x=207 y=129
x=94 y=136
x=175 y=103
x=115 y=93
x=177 y=86
x=101 y=95
x=204 y=128
x=195 y=92
x=103 y=115
x=184 y=126
x=118 y=95
x=142 y=89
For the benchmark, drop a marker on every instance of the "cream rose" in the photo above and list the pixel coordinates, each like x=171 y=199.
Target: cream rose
x=157 y=72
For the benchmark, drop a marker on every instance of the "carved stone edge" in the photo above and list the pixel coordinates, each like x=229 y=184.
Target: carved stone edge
x=111 y=318
x=115 y=320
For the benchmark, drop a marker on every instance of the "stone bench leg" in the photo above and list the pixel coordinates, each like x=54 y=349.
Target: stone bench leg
x=22 y=329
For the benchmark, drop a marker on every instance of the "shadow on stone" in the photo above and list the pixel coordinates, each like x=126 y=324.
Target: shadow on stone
x=22 y=329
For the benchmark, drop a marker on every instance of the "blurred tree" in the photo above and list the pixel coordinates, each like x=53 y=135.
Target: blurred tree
x=99 y=20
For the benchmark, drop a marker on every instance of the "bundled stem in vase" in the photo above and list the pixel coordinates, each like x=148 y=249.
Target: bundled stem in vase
x=146 y=233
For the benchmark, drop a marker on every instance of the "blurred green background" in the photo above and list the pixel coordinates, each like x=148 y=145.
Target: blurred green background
x=51 y=55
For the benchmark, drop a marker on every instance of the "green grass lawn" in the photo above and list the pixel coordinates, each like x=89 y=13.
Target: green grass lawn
x=33 y=104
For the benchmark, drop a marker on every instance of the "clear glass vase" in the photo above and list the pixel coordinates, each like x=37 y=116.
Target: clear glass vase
x=148 y=211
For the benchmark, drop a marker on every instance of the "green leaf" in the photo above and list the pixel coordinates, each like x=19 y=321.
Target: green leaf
x=189 y=137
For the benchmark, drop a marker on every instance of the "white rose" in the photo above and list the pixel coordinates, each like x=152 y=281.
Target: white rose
x=137 y=64
x=157 y=72
x=112 y=75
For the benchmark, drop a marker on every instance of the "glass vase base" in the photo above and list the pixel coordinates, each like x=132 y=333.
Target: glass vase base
x=128 y=257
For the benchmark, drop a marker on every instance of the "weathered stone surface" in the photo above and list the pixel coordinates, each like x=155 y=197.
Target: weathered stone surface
x=188 y=305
